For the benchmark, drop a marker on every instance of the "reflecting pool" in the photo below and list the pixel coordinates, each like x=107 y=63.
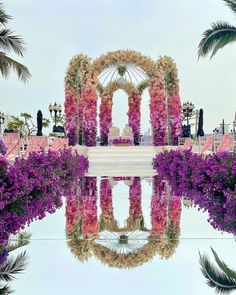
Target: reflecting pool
x=118 y=235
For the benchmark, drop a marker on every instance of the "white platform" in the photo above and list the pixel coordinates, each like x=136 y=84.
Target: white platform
x=121 y=161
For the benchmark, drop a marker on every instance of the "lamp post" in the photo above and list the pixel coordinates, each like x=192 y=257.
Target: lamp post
x=187 y=114
x=2 y=119
x=55 y=112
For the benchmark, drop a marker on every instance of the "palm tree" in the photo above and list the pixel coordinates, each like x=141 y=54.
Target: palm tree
x=10 y=42
x=220 y=34
x=223 y=280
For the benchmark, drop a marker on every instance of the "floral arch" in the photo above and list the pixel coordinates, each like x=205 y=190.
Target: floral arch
x=82 y=85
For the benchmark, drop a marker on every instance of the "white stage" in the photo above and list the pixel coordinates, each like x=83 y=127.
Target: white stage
x=121 y=161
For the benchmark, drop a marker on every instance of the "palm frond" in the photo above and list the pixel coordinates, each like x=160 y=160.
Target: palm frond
x=222 y=265
x=10 y=42
x=215 y=279
x=3 y=16
x=13 y=266
x=5 y=290
x=7 y=64
x=231 y=4
x=215 y=38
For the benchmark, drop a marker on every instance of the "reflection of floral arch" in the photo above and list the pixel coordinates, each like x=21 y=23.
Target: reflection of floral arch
x=82 y=80
x=164 y=234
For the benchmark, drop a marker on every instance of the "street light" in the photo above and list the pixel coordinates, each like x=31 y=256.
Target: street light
x=188 y=113
x=55 y=112
x=2 y=119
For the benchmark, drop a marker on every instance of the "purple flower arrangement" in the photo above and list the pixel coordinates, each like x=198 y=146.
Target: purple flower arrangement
x=209 y=181
x=34 y=186
x=121 y=141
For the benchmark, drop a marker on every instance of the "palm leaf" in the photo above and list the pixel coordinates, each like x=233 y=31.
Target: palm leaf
x=13 y=266
x=231 y=4
x=3 y=16
x=215 y=38
x=10 y=42
x=5 y=290
x=229 y=272
x=7 y=64
x=215 y=279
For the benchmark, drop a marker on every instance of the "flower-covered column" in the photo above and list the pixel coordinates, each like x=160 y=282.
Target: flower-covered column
x=105 y=117
x=175 y=118
x=89 y=129
x=107 y=216
x=175 y=216
x=134 y=115
x=158 y=111
x=159 y=207
x=70 y=113
x=90 y=226
x=135 y=205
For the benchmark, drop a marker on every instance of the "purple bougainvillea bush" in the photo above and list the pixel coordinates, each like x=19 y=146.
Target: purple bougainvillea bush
x=34 y=186
x=209 y=181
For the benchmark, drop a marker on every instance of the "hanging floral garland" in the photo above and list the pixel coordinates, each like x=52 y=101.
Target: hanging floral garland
x=135 y=205
x=105 y=116
x=77 y=73
x=90 y=226
x=158 y=111
x=159 y=207
x=168 y=66
x=89 y=127
x=134 y=115
x=107 y=220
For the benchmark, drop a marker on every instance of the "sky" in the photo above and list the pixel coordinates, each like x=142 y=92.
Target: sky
x=55 y=31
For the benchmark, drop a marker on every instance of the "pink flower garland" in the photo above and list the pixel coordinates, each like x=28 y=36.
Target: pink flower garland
x=89 y=98
x=71 y=214
x=158 y=111
x=134 y=115
x=159 y=206
x=105 y=117
x=70 y=113
x=175 y=118
x=106 y=199
x=135 y=196
x=90 y=226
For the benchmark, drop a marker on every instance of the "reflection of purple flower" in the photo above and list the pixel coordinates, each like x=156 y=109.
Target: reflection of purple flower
x=3 y=257
x=209 y=181
x=3 y=149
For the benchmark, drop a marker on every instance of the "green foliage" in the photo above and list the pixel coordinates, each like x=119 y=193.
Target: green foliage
x=10 y=42
x=218 y=36
x=231 y=4
x=122 y=69
x=13 y=266
x=24 y=124
x=223 y=280
x=142 y=86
